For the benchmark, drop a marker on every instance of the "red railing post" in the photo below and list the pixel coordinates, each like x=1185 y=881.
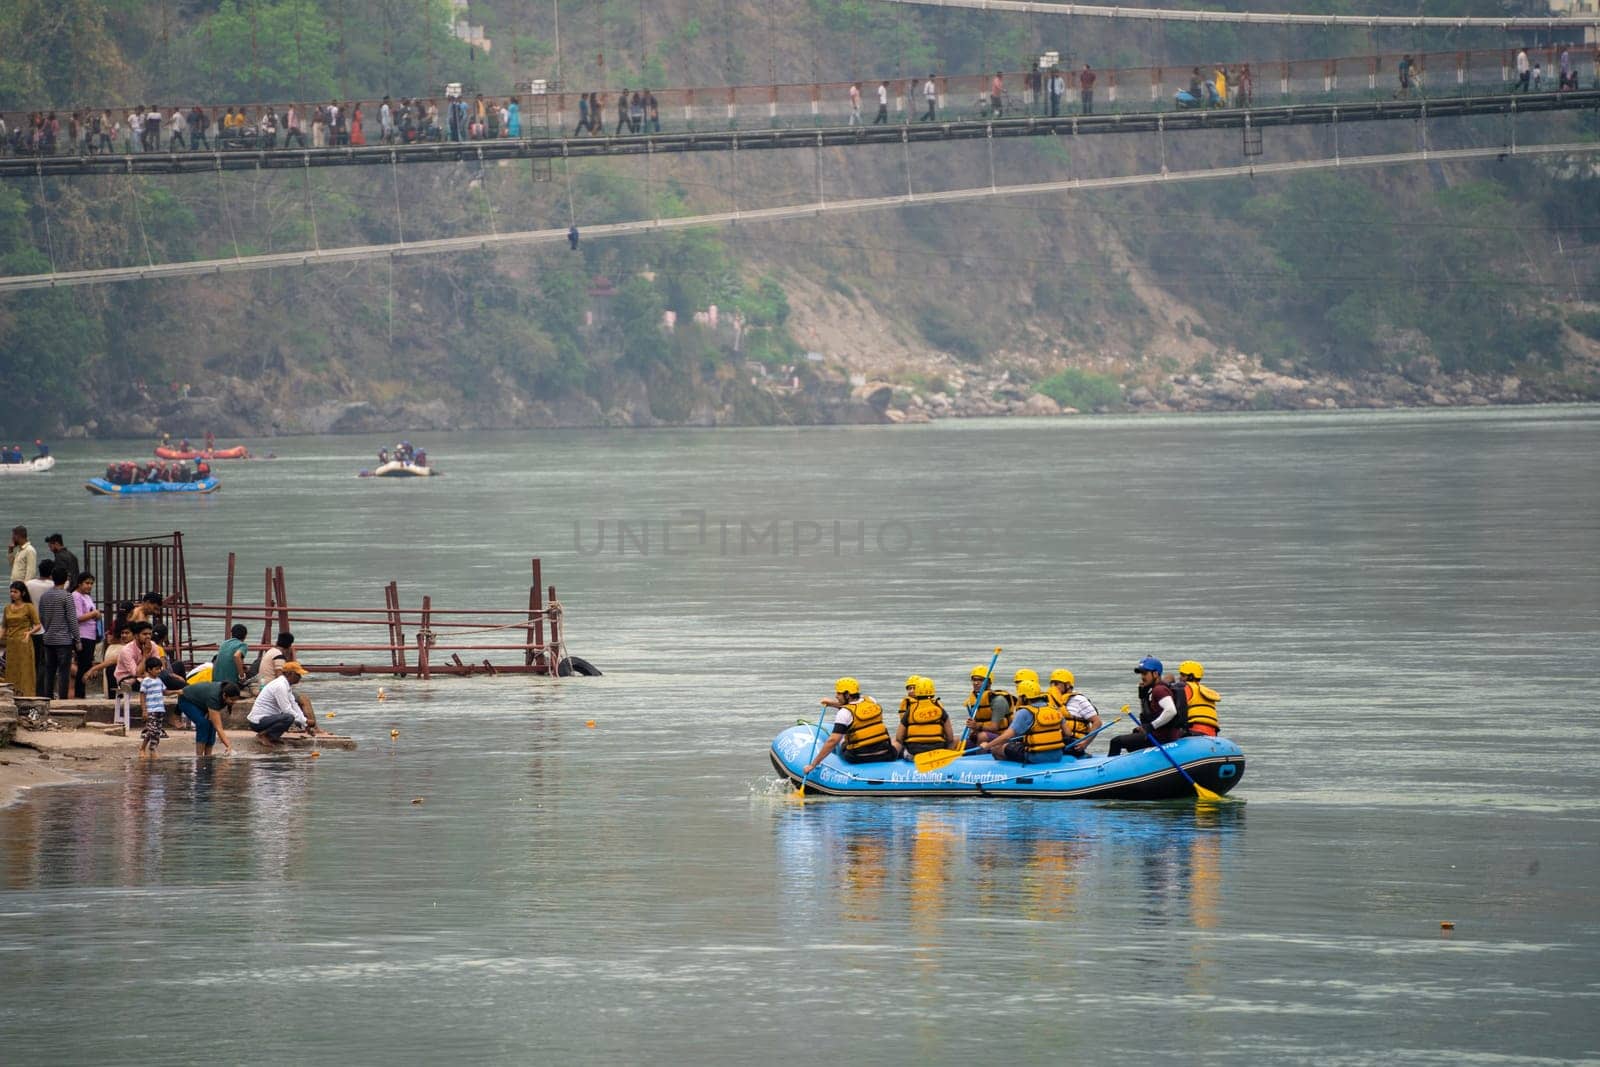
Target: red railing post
x=266 y=600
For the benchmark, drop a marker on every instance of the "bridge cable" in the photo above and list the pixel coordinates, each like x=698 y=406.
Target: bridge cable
x=222 y=192
x=44 y=211
x=399 y=222
x=311 y=206
x=138 y=215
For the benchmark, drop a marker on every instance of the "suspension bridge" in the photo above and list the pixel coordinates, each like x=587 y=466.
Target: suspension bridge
x=836 y=136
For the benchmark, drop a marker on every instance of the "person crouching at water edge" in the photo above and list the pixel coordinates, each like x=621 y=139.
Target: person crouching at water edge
x=859 y=724
x=924 y=724
x=1035 y=733
x=277 y=708
x=203 y=704
x=1160 y=712
x=154 y=691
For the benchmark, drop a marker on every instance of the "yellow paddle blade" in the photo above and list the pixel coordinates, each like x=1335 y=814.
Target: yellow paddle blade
x=939 y=757
x=1207 y=795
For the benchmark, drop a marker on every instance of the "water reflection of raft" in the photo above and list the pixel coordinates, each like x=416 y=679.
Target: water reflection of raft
x=37 y=465
x=236 y=452
x=102 y=487
x=1215 y=762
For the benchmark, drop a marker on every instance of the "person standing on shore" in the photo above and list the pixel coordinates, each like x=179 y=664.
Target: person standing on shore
x=59 y=617
x=1086 y=81
x=89 y=629
x=21 y=619
x=154 y=694
x=23 y=557
x=63 y=555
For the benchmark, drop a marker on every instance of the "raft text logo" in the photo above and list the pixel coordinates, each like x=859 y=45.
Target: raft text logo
x=700 y=533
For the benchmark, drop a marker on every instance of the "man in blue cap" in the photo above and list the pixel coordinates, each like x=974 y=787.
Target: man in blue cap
x=1161 y=711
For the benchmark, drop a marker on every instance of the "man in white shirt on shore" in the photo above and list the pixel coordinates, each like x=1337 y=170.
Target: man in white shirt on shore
x=277 y=709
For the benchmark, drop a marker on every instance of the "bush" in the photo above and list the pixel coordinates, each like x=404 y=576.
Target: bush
x=1586 y=323
x=948 y=328
x=1081 y=389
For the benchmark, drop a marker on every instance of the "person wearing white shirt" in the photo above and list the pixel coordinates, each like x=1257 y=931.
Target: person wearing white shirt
x=1082 y=717
x=930 y=93
x=277 y=709
x=883 y=105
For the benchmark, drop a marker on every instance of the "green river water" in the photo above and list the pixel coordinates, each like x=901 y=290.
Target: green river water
x=1401 y=611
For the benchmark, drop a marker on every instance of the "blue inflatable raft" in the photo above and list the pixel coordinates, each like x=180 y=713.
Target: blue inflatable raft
x=102 y=487
x=1214 y=762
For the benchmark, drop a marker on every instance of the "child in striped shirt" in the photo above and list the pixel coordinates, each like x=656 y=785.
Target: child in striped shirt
x=155 y=705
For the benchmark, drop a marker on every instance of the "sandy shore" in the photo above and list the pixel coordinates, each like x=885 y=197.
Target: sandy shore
x=95 y=753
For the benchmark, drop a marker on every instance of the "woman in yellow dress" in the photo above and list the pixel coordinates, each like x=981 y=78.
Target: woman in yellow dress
x=22 y=618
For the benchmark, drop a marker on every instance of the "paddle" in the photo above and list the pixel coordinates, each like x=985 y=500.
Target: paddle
x=1199 y=790
x=939 y=757
x=815 y=741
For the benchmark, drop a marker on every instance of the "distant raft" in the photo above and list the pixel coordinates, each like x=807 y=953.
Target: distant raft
x=396 y=469
x=236 y=452
x=101 y=487
x=31 y=466
x=1214 y=762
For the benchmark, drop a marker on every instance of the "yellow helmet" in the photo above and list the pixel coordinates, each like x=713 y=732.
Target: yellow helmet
x=847 y=685
x=1024 y=672
x=924 y=688
x=913 y=680
x=1063 y=675
x=1028 y=688
x=1192 y=669
x=980 y=671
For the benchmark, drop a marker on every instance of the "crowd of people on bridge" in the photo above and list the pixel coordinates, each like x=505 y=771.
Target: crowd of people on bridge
x=152 y=128
x=637 y=111
x=1045 y=91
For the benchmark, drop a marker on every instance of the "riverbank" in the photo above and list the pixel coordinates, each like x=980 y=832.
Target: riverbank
x=909 y=387
x=81 y=745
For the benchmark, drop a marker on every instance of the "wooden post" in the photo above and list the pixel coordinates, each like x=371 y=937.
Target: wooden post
x=555 y=637
x=283 y=598
x=422 y=638
x=389 y=624
x=266 y=600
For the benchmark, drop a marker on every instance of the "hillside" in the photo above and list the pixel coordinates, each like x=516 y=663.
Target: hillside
x=1465 y=283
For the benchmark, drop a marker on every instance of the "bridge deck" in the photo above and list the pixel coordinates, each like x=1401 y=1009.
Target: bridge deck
x=1317 y=114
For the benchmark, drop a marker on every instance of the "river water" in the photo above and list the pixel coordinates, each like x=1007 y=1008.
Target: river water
x=1400 y=610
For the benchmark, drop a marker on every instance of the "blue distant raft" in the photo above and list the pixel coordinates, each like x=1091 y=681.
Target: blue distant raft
x=101 y=487
x=1214 y=762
